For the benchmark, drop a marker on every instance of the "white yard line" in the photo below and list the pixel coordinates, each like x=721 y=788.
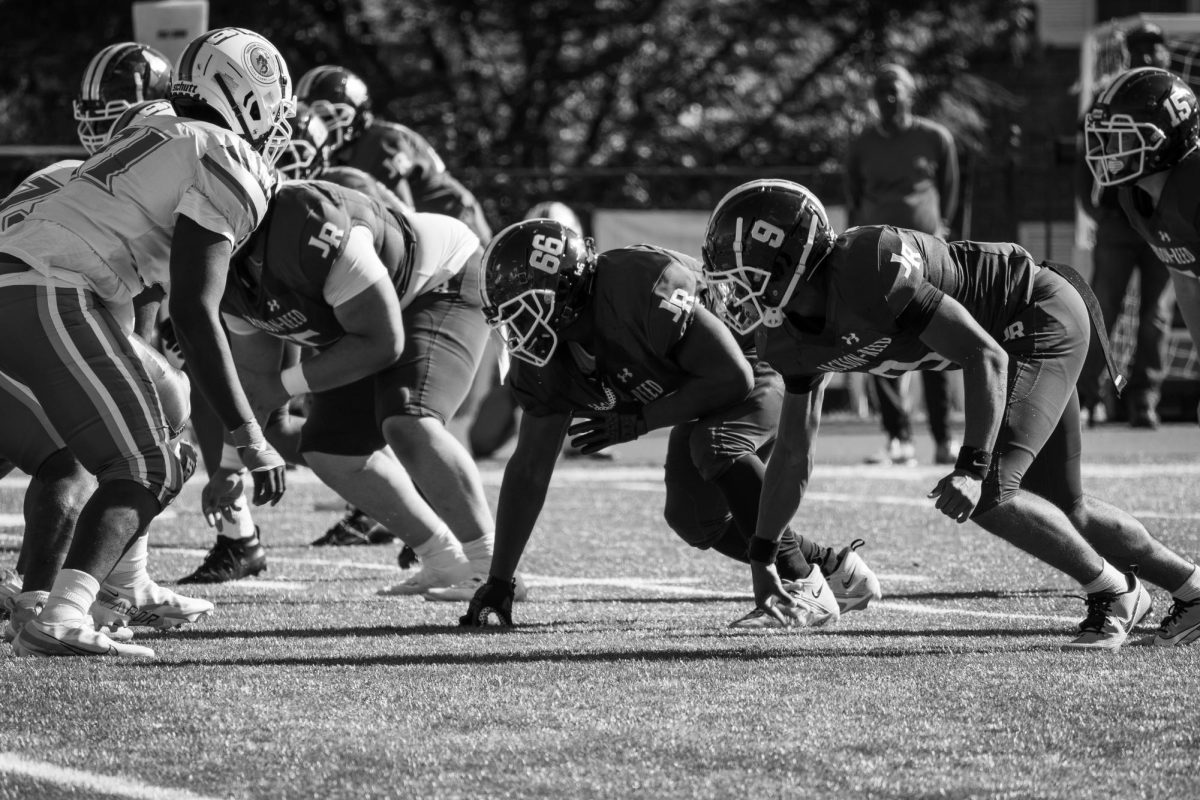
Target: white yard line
x=90 y=782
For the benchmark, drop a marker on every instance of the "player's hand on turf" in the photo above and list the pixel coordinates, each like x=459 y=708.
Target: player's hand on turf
x=957 y=494
x=220 y=500
x=595 y=430
x=492 y=600
x=769 y=594
x=267 y=467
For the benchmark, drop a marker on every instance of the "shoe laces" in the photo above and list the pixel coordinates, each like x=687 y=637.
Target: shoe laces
x=1099 y=609
x=1178 y=609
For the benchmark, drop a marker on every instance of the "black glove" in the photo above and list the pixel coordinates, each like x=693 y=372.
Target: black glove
x=596 y=430
x=493 y=598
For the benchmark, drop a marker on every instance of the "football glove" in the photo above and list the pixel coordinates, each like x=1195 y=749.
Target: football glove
x=494 y=598
x=596 y=430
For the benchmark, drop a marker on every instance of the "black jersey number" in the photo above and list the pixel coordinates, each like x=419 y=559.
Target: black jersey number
x=128 y=148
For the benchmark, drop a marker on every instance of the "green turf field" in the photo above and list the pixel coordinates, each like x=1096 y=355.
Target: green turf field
x=622 y=679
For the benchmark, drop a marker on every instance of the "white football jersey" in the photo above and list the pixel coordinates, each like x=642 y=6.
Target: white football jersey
x=33 y=190
x=110 y=225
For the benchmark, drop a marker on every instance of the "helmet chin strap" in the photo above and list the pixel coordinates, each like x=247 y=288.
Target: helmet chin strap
x=773 y=315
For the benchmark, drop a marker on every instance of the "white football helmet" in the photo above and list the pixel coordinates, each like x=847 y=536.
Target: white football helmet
x=243 y=78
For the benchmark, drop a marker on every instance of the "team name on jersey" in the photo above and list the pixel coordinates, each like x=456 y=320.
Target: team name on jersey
x=1174 y=255
x=859 y=358
x=282 y=325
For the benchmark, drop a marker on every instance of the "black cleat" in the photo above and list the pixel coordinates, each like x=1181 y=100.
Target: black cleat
x=355 y=528
x=407 y=558
x=229 y=560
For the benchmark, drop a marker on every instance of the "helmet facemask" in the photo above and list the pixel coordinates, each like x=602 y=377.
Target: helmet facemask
x=1117 y=148
x=96 y=121
x=525 y=324
x=339 y=118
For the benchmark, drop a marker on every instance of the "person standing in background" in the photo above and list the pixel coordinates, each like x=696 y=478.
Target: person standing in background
x=1119 y=251
x=903 y=171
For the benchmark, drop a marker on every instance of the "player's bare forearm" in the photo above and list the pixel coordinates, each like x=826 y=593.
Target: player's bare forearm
x=523 y=489
x=791 y=463
x=206 y=352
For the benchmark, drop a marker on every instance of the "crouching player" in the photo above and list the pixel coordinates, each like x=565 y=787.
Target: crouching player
x=888 y=300
x=624 y=343
x=386 y=299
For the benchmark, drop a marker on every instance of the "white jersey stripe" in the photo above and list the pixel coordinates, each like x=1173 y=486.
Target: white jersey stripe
x=236 y=188
x=24 y=395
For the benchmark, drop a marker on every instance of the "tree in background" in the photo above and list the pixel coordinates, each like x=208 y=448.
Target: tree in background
x=618 y=102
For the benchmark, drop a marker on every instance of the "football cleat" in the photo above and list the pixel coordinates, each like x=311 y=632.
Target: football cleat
x=428 y=578
x=465 y=590
x=45 y=640
x=852 y=581
x=815 y=606
x=1111 y=616
x=149 y=607
x=1181 y=625
x=897 y=453
x=21 y=613
x=354 y=528
x=230 y=560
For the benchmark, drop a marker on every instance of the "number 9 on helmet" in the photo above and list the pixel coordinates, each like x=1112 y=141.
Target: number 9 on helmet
x=536 y=280
x=762 y=239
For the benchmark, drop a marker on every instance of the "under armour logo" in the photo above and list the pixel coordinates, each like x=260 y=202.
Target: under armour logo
x=272 y=305
x=624 y=375
x=850 y=339
x=1014 y=331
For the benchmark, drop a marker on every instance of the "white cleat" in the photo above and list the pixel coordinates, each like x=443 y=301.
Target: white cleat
x=1111 y=617
x=429 y=577
x=148 y=607
x=852 y=581
x=40 y=639
x=815 y=606
x=21 y=613
x=464 y=591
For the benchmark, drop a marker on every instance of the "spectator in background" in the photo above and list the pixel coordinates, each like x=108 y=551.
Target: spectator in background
x=1119 y=252
x=903 y=171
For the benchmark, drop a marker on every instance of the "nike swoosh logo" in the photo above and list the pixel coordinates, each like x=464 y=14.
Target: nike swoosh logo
x=846 y=583
x=817 y=592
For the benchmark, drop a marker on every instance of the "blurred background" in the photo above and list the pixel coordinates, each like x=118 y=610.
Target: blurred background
x=641 y=114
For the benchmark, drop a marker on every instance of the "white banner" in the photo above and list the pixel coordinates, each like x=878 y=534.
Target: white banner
x=168 y=25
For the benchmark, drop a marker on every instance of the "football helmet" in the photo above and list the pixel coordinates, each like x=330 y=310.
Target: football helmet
x=307 y=152
x=1145 y=122
x=762 y=239
x=536 y=279
x=241 y=77
x=340 y=97
x=559 y=212
x=116 y=78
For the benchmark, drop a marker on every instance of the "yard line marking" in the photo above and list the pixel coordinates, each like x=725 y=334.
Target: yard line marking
x=269 y=585
x=91 y=782
x=921 y=608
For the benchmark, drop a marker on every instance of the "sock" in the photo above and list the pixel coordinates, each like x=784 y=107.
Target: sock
x=791 y=562
x=1190 y=590
x=71 y=598
x=1110 y=579
x=479 y=552
x=440 y=551
x=130 y=572
x=31 y=599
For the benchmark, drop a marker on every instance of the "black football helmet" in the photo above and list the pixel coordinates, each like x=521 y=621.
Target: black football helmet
x=762 y=239
x=307 y=153
x=536 y=280
x=116 y=78
x=340 y=98
x=1145 y=122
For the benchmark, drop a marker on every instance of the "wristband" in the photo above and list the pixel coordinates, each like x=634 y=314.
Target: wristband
x=248 y=434
x=762 y=550
x=294 y=382
x=973 y=461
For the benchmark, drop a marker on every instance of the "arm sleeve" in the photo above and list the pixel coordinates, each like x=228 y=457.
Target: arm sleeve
x=357 y=268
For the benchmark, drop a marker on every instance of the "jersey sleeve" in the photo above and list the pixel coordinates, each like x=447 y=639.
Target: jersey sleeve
x=672 y=305
x=911 y=299
x=355 y=269
x=230 y=189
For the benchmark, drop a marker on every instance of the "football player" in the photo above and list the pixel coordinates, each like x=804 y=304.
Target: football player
x=1142 y=136
x=59 y=484
x=403 y=162
x=387 y=300
x=623 y=343
x=887 y=300
x=163 y=204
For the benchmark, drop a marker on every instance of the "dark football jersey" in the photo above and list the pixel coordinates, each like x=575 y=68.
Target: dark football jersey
x=1172 y=228
x=643 y=302
x=884 y=286
x=392 y=153
x=277 y=281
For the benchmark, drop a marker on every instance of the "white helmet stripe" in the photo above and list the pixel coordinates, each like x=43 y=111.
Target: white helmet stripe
x=1118 y=82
